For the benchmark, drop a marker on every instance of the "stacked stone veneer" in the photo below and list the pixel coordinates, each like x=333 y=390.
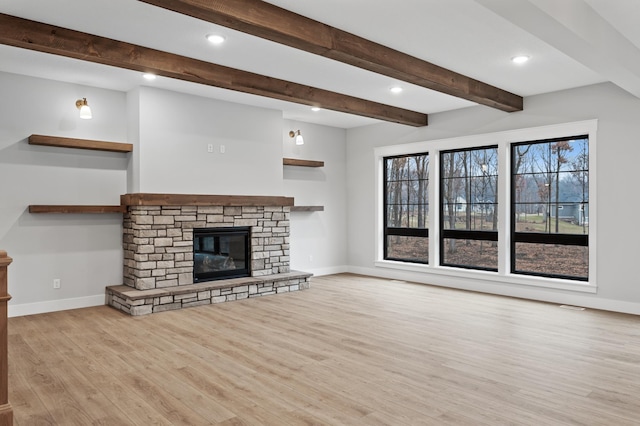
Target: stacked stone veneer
x=142 y=302
x=158 y=241
x=158 y=257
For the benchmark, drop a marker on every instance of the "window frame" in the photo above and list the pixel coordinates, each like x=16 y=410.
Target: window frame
x=564 y=239
x=401 y=231
x=503 y=281
x=460 y=234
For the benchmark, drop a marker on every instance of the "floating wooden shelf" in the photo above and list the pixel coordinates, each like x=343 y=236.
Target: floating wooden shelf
x=302 y=163
x=203 y=200
x=307 y=208
x=76 y=209
x=80 y=143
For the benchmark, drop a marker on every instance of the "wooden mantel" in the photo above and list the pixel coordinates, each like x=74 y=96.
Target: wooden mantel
x=6 y=412
x=142 y=199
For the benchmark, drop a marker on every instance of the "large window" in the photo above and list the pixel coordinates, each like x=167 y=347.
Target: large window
x=514 y=207
x=406 y=206
x=550 y=208
x=468 y=208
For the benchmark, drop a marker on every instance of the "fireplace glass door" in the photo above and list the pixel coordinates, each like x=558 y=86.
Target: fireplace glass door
x=220 y=253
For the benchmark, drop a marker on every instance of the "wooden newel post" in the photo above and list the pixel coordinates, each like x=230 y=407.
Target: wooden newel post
x=6 y=412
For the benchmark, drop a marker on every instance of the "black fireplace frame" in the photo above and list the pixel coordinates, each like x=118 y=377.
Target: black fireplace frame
x=199 y=233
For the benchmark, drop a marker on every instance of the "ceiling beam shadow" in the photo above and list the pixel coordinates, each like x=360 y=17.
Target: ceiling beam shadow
x=47 y=38
x=262 y=19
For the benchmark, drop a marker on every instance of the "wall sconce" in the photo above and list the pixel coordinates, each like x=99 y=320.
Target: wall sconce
x=83 y=106
x=298 y=136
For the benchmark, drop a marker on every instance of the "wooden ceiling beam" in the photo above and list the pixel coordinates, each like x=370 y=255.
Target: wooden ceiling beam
x=47 y=38
x=271 y=22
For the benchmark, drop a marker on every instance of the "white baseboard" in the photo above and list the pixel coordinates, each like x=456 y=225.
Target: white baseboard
x=541 y=294
x=55 y=305
x=328 y=271
x=522 y=292
x=99 y=300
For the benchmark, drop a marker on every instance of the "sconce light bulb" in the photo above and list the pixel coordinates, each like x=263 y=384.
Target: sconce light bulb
x=85 y=110
x=298 y=137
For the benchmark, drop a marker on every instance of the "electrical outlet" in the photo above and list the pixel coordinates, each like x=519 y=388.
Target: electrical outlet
x=210 y=147
x=56 y=283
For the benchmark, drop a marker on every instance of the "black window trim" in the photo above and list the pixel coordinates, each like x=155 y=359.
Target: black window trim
x=403 y=232
x=461 y=234
x=540 y=237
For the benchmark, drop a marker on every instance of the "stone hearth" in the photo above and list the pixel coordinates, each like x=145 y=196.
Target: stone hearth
x=158 y=250
x=142 y=302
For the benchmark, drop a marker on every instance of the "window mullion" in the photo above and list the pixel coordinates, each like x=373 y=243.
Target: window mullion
x=434 y=213
x=504 y=209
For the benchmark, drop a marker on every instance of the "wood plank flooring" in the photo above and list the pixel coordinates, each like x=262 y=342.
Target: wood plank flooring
x=352 y=350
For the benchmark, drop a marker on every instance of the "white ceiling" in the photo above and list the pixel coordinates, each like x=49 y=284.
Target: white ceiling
x=571 y=43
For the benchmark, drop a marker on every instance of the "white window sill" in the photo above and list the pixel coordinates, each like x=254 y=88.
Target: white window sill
x=493 y=277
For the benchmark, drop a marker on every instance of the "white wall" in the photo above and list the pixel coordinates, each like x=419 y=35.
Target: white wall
x=84 y=251
x=175 y=131
x=133 y=137
x=170 y=133
x=617 y=153
x=318 y=239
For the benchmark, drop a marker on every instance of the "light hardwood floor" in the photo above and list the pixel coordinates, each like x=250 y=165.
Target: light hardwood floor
x=352 y=350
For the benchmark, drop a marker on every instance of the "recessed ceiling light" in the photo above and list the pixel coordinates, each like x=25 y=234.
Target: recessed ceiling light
x=315 y=109
x=520 y=59
x=215 y=38
x=149 y=76
x=396 y=89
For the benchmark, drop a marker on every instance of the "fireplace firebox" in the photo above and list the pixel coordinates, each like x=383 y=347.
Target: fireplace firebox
x=220 y=253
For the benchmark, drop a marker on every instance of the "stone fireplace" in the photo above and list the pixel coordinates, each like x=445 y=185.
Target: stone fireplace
x=158 y=243
x=158 y=240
